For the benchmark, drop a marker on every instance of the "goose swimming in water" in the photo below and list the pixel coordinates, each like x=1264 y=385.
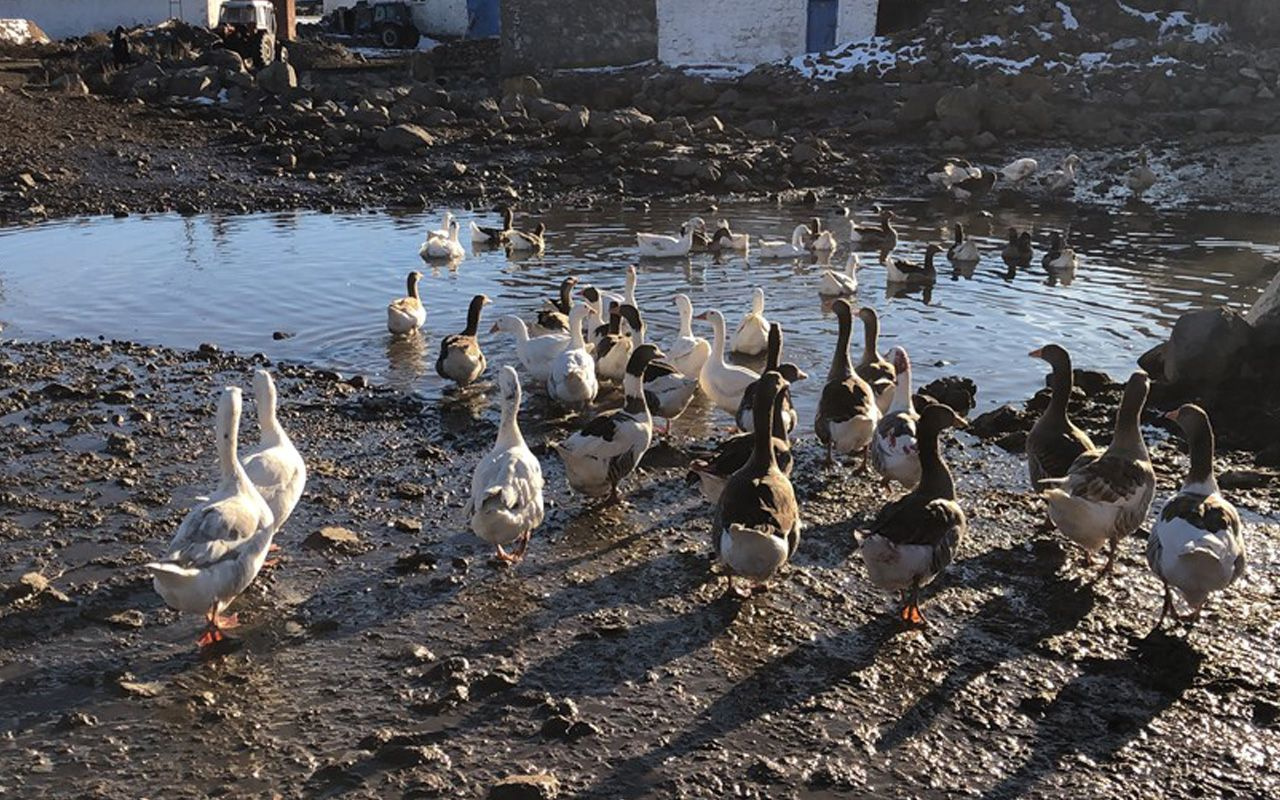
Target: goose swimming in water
x=407 y=314
x=461 y=360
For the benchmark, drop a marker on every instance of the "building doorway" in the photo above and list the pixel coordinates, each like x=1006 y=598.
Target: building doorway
x=823 y=17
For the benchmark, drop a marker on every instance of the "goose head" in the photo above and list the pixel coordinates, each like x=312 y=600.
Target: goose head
x=640 y=358
x=1055 y=355
x=901 y=361
x=509 y=323
x=757 y=300
x=938 y=417
x=509 y=387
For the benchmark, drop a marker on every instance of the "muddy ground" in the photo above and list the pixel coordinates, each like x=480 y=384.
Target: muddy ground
x=401 y=662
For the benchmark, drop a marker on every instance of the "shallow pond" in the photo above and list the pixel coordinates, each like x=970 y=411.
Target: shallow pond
x=326 y=279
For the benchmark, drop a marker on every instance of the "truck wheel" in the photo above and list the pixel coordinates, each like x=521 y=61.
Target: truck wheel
x=264 y=49
x=390 y=37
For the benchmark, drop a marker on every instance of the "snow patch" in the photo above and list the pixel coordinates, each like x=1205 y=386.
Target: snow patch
x=877 y=54
x=1069 y=20
x=1005 y=65
x=1177 y=23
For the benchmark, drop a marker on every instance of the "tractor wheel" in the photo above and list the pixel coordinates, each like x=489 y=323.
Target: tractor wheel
x=390 y=37
x=411 y=38
x=264 y=49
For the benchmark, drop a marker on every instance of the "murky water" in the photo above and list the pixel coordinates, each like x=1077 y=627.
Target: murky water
x=326 y=279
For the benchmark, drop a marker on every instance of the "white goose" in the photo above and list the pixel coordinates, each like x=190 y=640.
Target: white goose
x=535 y=353
x=1019 y=170
x=572 y=381
x=275 y=467
x=821 y=240
x=525 y=242
x=442 y=232
x=728 y=238
x=656 y=245
x=752 y=336
x=895 y=453
x=1063 y=178
x=222 y=543
x=776 y=248
x=723 y=383
x=963 y=250
x=506 y=487
x=444 y=248
x=688 y=352
x=841 y=284
x=407 y=314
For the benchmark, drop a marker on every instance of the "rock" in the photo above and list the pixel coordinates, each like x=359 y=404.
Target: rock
x=985 y=141
x=333 y=538
x=805 y=153
x=998 y=422
x=422 y=67
x=574 y=121
x=1205 y=345
x=413 y=755
x=222 y=58
x=1264 y=316
x=368 y=115
x=29 y=585
x=406 y=137
x=710 y=124
x=141 y=688
x=611 y=123
x=522 y=84
x=1246 y=478
x=120 y=445
x=875 y=127
x=127 y=82
x=278 y=78
x=194 y=82
x=407 y=524
x=698 y=91
x=959 y=393
x=546 y=111
x=539 y=786
x=761 y=129
x=1090 y=381
x=70 y=83
x=959 y=112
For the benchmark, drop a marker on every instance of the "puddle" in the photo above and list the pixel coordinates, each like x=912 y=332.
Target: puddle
x=326 y=279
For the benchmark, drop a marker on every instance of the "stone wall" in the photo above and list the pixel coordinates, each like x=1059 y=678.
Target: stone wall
x=539 y=35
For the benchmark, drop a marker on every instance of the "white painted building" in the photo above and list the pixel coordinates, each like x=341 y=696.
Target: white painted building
x=63 y=18
x=433 y=17
x=697 y=32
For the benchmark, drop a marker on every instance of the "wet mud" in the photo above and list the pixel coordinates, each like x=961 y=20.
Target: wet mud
x=393 y=659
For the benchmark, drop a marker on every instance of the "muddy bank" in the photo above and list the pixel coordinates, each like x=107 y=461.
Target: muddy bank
x=395 y=660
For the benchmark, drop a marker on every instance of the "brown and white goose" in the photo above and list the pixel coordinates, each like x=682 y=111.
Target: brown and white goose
x=963 y=250
x=525 y=242
x=553 y=317
x=1054 y=442
x=757 y=520
x=745 y=417
x=461 y=360
x=894 y=448
x=667 y=390
x=915 y=537
x=481 y=234
x=1017 y=253
x=882 y=238
x=614 y=348
x=1197 y=544
x=608 y=448
x=1106 y=495
x=407 y=314
x=847 y=411
x=872 y=367
x=908 y=272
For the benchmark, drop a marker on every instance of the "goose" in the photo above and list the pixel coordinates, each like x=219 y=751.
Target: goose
x=963 y=250
x=1063 y=178
x=1054 y=442
x=597 y=320
x=752 y=336
x=461 y=360
x=820 y=241
x=667 y=389
x=655 y=245
x=1141 y=177
x=524 y=242
x=882 y=237
x=535 y=353
x=608 y=448
x=407 y=314
x=900 y=271
x=711 y=474
x=553 y=317
x=446 y=247
x=722 y=383
x=572 y=378
x=725 y=238
x=1017 y=253
x=841 y=284
x=1106 y=494
x=688 y=352
x=442 y=232
x=947 y=173
x=841 y=224
x=275 y=467
x=745 y=415
x=700 y=243
x=221 y=544
x=1197 y=544
x=776 y=248
x=872 y=367
x=614 y=348
x=895 y=452
x=974 y=186
x=915 y=537
x=1061 y=261
x=1019 y=170
x=485 y=235
x=847 y=411
x=506 y=488
x=756 y=527
x=629 y=294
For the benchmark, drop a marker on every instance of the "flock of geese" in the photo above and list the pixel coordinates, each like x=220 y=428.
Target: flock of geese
x=585 y=337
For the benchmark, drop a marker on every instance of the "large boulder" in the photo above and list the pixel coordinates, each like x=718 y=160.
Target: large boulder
x=1265 y=314
x=611 y=123
x=125 y=81
x=574 y=121
x=1205 y=346
x=194 y=82
x=71 y=83
x=222 y=58
x=278 y=78
x=959 y=111
x=404 y=138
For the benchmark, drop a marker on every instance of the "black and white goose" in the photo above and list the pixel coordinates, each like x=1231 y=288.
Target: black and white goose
x=895 y=448
x=872 y=367
x=481 y=234
x=745 y=417
x=1055 y=442
x=553 y=317
x=847 y=411
x=667 y=390
x=882 y=238
x=915 y=537
x=1017 y=254
x=1197 y=543
x=912 y=274
x=461 y=360
x=963 y=250
x=1106 y=495
x=608 y=448
x=614 y=348
x=756 y=528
